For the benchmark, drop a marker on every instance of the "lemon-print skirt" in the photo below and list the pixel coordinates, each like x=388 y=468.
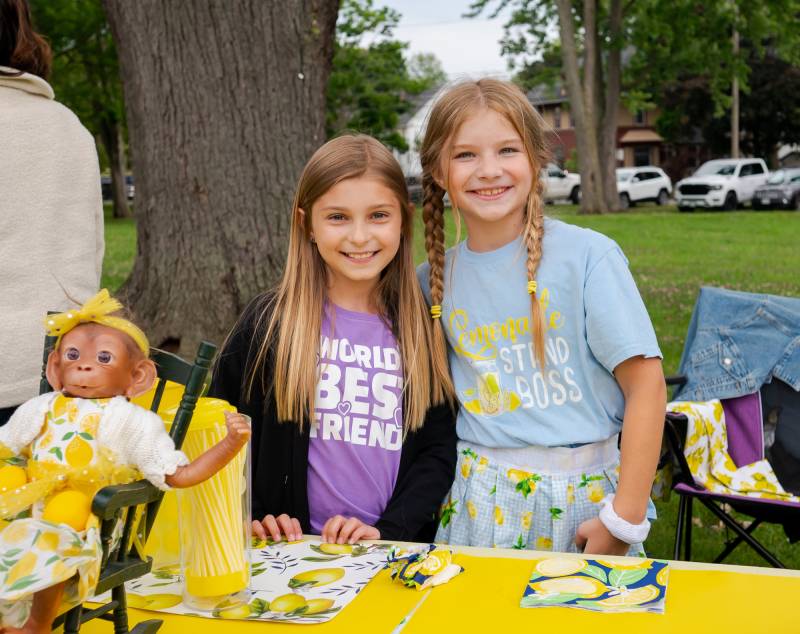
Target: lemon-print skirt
x=35 y=554
x=529 y=498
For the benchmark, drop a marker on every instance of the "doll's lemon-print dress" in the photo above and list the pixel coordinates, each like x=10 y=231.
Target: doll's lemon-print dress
x=35 y=554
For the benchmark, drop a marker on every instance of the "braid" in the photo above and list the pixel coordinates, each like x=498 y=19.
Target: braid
x=534 y=234
x=433 y=217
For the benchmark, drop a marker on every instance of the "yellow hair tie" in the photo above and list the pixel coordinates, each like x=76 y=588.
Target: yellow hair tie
x=531 y=286
x=436 y=311
x=97 y=310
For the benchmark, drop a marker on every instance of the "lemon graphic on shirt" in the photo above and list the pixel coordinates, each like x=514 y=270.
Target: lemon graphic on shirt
x=498 y=516
x=570 y=494
x=72 y=411
x=287 y=603
x=12 y=477
x=315 y=578
x=473 y=512
x=78 y=452
x=544 y=543
x=482 y=462
x=560 y=566
x=466 y=464
x=22 y=568
x=89 y=424
x=59 y=406
x=517 y=475
x=587 y=587
x=14 y=533
x=637 y=596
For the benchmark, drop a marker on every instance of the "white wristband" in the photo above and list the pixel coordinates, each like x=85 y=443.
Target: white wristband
x=620 y=528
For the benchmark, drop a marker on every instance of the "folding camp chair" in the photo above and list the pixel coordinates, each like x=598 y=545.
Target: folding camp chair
x=775 y=408
x=119 y=503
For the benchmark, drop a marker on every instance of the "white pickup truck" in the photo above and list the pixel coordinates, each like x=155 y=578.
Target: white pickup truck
x=721 y=184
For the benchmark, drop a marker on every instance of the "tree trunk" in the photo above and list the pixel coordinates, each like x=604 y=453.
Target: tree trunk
x=111 y=136
x=225 y=102
x=583 y=111
x=608 y=130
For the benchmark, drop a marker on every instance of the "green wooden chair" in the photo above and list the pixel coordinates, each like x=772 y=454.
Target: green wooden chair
x=113 y=503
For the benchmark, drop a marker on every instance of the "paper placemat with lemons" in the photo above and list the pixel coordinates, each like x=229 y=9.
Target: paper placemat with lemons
x=302 y=582
x=596 y=584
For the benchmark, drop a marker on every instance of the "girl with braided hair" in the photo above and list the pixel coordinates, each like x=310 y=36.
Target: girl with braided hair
x=550 y=346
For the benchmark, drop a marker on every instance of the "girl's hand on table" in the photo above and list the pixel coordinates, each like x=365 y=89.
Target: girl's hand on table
x=593 y=537
x=342 y=530
x=274 y=527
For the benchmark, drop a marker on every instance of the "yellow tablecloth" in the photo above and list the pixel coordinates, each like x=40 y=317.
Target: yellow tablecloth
x=700 y=598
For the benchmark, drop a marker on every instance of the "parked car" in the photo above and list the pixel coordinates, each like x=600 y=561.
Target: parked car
x=105 y=185
x=637 y=184
x=721 y=184
x=782 y=190
x=560 y=184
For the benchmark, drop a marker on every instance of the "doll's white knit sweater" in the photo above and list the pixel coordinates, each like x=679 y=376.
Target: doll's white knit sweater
x=136 y=435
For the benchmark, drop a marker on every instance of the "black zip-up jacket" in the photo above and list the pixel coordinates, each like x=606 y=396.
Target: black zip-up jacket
x=280 y=449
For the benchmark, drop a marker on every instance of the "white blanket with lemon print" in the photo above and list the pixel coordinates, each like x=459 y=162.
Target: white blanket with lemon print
x=706 y=451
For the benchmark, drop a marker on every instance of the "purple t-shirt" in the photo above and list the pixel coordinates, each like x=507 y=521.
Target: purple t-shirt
x=357 y=432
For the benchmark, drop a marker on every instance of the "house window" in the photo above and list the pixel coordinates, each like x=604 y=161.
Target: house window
x=641 y=155
x=557 y=117
x=640 y=117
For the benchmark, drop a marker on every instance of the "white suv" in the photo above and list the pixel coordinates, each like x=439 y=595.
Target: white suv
x=635 y=184
x=560 y=184
x=722 y=184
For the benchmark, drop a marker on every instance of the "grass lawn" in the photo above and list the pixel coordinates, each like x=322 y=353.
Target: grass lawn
x=671 y=255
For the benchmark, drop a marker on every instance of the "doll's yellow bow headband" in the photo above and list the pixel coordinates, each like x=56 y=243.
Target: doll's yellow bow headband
x=97 y=310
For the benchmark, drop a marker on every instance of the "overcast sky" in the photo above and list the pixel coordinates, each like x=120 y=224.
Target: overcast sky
x=465 y=46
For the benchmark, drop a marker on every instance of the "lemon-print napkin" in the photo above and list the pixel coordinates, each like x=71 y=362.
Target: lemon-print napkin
x=595 y=584
x=299 y=582
x=423 y=566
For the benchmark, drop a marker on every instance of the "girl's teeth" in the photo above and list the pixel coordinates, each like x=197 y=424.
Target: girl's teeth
x=491 y=192
x=360 y=256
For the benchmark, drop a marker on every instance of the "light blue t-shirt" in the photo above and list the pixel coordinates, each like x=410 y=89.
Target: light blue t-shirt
x=594 y=318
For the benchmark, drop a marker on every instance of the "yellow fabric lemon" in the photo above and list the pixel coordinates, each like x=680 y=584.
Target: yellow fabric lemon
x=560 y=566
x=544 y=543
x=465 y=467
x=570 y=494
x=22 y=568
x=78 y=453
x=317 y=577
x=436 y=561
x=595 y=492
x=14 y=533
x=637 y=596
x=59 y=407
x=89 y=424
x=526 y=520
x=287 y=603
x=48 y=540
x=587 y=587
x=517 y=475
x=68 y=507
x=482 y=465
x=473 y=512
x=498 y=516
x=336 y=549
x=12 y=477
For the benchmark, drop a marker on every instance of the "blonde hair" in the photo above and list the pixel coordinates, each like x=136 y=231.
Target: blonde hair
x=288 y=316
x=448 y=114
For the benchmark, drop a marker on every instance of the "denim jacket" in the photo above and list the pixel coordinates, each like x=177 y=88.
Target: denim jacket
x=737 y=342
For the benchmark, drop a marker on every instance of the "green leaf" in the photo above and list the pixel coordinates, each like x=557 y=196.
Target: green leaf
x=597 y=572
x=68 y=435
x=85 y=435
x=23 y=582
x=318 y=559
x=57 y=452
x=626 y=577
x=494 y=490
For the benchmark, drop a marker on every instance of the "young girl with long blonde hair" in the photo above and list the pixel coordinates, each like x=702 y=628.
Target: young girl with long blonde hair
x=551 y=349
x=352 y=434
